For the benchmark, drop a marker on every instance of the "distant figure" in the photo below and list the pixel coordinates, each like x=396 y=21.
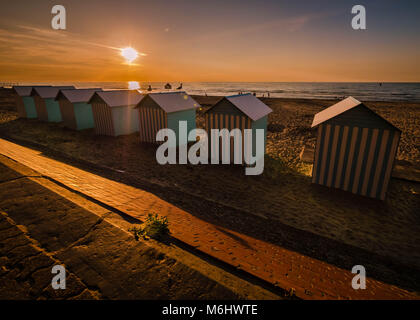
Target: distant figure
x=150 y=88
x=254 y=94
x=268 y=94
x=380 y=84
x=168 y=86
x=205 y=93
x=180 y=87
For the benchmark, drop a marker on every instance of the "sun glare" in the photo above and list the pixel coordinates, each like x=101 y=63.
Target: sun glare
x=129 y=54
x=133 y=85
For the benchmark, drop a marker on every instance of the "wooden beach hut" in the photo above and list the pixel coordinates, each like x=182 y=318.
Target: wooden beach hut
x=114 y=112
x=75 y=107
x=355 y=149
x=47 y=107
x=243 y=111
x=165 y=110
x=25 y=104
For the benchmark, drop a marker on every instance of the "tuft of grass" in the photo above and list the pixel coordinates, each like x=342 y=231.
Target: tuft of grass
x=155 y=227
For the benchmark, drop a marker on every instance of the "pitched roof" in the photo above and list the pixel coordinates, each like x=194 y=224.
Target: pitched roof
x=250 y=105
x=335 y=110
x=119 y=98
x=174 y=101
x=77 y=95
x=341 y=107
x=25 y=91
x=48 y=92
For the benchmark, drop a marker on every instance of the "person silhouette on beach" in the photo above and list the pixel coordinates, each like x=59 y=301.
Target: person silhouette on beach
x=149 y=88
x=168 y=86
x=180 y=87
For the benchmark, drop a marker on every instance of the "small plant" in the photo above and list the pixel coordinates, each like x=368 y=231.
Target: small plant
x=155 y=227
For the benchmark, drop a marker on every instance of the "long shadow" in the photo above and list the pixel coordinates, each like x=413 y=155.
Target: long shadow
x=342 y=255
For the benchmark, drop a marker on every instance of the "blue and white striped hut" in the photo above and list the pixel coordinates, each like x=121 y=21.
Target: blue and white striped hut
x=355 y=149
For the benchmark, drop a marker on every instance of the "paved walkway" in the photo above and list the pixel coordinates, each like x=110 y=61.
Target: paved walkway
x=308 y=278
x=25 y=268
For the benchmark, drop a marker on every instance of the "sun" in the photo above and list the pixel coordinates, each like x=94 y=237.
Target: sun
x=129 y=54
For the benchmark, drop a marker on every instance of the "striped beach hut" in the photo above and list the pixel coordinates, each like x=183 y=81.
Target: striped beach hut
x=47 y=107
x=243 y=111
x=165 y=110
x=75 y=107
x=25 y=104
x=114 y=112
x=355 y=149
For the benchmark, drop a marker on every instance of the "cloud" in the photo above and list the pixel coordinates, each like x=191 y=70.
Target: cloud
x=32 y=47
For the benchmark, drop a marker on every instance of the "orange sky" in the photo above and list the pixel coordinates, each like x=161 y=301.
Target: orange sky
x=186 y=44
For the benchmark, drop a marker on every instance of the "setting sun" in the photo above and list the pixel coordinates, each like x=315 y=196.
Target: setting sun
x=129 y=54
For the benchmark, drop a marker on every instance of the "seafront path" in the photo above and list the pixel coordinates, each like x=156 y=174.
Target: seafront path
x=306 y=277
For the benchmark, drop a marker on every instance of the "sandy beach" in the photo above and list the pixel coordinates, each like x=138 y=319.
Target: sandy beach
x=281 y=206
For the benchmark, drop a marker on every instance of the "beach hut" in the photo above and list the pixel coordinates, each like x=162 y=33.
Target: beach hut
x=243 y=111
x=47 y=108
x=114 y=113
x=75 y=107
x=355 y=149
x=25 y=104
x=165 y=110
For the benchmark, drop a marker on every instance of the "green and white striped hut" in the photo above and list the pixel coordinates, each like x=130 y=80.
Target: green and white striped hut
x=47 y=107
x=25 y=104
x=114 y=113
x=76 y=108
x=165 y=110
x=243 y=111
x=355 y=149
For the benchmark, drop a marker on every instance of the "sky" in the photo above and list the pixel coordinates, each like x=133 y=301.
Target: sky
x=205 y=41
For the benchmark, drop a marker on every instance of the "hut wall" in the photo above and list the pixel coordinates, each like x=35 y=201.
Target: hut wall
x=83 y=115
x=355 y=159
x=151 y=120
x=41 y=109
x=103 y=119
x=67 y=113
x=20 y=106
x=125 y=119
x=229 y=118
x=226 y=107
x=259 y=124
x=175 y=117
x=30 y=108
x=53 y=110
x=361 y=116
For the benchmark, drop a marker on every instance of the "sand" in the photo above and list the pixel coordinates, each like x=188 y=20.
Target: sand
x=281 y=206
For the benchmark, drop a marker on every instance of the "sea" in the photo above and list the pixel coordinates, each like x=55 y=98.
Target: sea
x=365 y=91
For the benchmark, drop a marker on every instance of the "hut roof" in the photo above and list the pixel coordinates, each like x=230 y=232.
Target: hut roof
x=341 y=107
x=250 y=105
x=77 y=95
x=48 y=92
x=174 y=101
x=25 y=91
x=119 y=98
